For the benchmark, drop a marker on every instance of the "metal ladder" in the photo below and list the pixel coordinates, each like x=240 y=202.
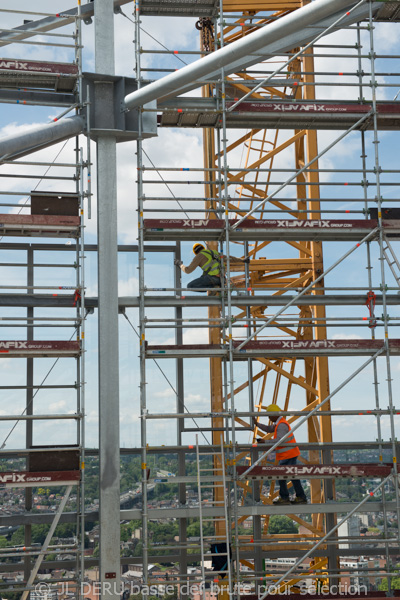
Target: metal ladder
x=391 y=260
x=213 y=477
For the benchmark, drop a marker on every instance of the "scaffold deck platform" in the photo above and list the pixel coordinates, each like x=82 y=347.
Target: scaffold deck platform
x=275 y=348
x=277 y=114
x=27 y=349
x=39 y=225
x=37 y=74
x=263 y=229
x=25 y=479
x=315 y=471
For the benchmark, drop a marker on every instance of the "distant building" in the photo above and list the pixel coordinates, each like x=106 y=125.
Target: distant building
x=350 y=529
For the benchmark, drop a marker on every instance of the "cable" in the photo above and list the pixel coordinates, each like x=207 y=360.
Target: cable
x=34 y=395
x=167 y=380
x=166 y=184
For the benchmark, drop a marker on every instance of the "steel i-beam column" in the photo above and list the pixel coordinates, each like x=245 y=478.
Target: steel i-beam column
x=108 y=309
x=29 y=409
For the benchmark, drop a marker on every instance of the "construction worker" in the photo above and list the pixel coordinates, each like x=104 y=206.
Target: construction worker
x=210 y=262
x=286 y=455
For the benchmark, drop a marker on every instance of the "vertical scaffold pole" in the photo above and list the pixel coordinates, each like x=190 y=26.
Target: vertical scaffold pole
x=378 y=169
x=142 y=330
x=108 y=311
x=224 y=177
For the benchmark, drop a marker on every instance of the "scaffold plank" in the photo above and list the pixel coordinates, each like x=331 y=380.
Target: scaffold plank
x=275 y=349
x=316 y=471
x=38 y=74
x=276 y=114
x=265 y=229
x=346 y=593
x=28 y=349
x=179 y=8
x=260 y=5
x=11 y=479
x=39 y=225
x=388 y=13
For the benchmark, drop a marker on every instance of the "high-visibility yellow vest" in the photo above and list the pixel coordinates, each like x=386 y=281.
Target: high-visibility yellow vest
x=212 y=266
x=283 y=452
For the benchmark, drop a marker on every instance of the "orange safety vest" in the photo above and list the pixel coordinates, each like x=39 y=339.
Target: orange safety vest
x=284 y=452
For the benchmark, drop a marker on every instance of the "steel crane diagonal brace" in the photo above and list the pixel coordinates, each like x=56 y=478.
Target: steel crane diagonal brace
x=312 y=412
x=309 y=287
x=291 y=31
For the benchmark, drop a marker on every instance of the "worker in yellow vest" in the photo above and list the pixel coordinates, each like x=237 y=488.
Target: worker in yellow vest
x=210 y=263
x=286 y=455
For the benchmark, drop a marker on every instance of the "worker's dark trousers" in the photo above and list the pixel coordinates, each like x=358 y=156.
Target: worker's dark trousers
x=205 y=281
x=283 y=489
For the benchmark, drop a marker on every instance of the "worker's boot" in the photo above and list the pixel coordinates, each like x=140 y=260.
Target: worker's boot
x=280 y=501
x=299 y=500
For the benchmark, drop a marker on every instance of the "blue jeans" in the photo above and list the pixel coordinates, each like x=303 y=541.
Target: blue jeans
x=298 y=488
x=205 y=281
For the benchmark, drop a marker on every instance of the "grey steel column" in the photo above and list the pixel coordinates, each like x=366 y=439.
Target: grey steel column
x=108 y=310
x=29 y=410
x=180 y=408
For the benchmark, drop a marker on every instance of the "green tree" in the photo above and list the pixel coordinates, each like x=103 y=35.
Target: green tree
x=173 y=596
x=138 y=549
x=281 y=524
x=17 y=538
x=193 y=529
x=395 y=581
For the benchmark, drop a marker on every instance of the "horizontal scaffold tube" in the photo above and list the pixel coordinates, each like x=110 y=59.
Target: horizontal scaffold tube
x=51 y=22
x=40 y=137
x=290 y=31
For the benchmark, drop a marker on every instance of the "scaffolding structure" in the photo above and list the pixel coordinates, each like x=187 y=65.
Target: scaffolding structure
x=266 y=192
x=43 y=309
x=272 y=329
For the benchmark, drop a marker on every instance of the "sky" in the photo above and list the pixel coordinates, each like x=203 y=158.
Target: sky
x=182 y=148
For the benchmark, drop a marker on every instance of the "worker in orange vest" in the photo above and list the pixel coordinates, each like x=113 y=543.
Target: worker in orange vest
x=286 y=455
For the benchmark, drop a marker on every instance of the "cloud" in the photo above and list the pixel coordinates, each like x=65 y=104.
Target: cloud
x=129 y=287
x=167 y=393
x=191 y=336
x=57 y=406
x=347 y=336
x=5 y=364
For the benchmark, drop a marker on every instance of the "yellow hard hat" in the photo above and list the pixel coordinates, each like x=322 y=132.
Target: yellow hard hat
x=273 y=408
x=197 y=247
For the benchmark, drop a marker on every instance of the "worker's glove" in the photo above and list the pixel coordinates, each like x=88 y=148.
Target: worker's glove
x=178 y=262
x=246 y=260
